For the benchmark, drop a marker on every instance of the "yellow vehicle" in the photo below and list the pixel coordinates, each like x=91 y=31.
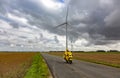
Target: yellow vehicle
x=68 y=56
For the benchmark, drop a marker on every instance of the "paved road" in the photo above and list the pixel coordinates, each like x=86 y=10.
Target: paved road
x=79 y=69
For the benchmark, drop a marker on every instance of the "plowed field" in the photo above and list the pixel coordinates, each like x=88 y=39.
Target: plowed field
x=14 y=64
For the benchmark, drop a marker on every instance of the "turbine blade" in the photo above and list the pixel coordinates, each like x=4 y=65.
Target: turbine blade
x=70 y=25
x=67 y=13
x=60 y=25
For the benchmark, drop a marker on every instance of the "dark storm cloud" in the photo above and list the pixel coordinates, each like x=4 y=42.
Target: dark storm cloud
x=101 y=23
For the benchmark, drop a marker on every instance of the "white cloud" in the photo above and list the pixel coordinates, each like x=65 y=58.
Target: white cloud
x=51 y=6
x=17 y=18
x=81 y=42
x=4 y=25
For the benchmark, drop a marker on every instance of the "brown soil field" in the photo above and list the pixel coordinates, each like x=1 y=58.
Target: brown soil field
x=110 y=58
x=14 y=64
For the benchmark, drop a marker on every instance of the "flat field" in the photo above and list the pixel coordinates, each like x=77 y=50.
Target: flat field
x=109 y=58
x=15 y=64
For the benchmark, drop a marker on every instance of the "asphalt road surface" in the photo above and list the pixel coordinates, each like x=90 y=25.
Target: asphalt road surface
x=79 y=69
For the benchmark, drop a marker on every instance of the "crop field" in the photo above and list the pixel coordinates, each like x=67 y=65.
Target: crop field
x=15 y=64
x=109 y=58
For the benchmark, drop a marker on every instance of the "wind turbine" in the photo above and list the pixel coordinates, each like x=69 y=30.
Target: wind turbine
x=66 y=24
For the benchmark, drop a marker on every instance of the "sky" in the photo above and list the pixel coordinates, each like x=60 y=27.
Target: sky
x=30 y=25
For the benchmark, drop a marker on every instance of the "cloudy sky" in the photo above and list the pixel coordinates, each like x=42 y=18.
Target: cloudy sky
x=31 y=24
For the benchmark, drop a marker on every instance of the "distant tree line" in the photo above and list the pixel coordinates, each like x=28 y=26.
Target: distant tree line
x=100 y=51
x=113 y=51
x=91 y=51
x=107 y=51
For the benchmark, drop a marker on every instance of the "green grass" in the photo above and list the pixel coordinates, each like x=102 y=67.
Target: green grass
x=38 y=68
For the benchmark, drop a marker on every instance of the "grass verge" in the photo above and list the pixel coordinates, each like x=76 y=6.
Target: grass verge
x=38 y=68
